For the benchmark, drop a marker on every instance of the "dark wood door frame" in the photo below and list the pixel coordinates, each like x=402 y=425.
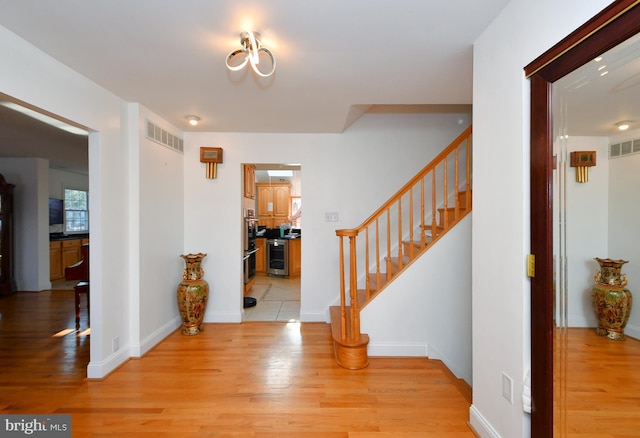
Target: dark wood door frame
x=613 y=25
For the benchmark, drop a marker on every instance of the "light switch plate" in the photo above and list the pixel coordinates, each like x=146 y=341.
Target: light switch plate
x=331 y=216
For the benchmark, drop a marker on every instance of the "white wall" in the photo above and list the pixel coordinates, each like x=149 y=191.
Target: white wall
x=125 y=197
x=501 y=302
x=350 y=173
x=59 y=180
x=426 y=311
x=32 y=76
x=624 y=209
x=30 y=221
x=157 y=233
x=35 y=183
x=587 y=225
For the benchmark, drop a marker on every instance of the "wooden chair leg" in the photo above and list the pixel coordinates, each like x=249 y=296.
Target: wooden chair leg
x=77 y=292
x=81 y=288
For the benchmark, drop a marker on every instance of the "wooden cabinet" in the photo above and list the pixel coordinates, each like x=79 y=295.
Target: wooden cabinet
x=273 y=203
x=249 y=188
x=295 y=257
x=261 y=256
x=64 y=253
x=55 y=260
x=70 y=252
x=7 y=281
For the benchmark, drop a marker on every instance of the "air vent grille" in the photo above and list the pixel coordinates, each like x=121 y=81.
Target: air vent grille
x=624 y=148
x=165 y=138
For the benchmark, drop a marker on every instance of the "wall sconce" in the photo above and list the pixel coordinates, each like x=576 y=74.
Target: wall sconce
x=252 y=46
x=211 y=157
x=582 y=160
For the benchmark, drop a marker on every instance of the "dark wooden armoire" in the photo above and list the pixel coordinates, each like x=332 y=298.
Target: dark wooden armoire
x=7 y=281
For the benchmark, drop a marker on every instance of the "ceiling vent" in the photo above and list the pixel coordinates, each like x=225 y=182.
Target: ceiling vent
x=625 y=148
x=165 y=138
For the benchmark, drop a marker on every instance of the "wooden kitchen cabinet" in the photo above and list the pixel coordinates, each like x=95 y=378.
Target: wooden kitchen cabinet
x=295 y=257
x=55 y=260
x=249 y=181
x=64 y=253
x=276 y=195
x=261 y=256
x=71 y=252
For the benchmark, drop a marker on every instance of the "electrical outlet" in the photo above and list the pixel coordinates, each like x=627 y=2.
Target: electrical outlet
x=115 y=344
x=507 y=387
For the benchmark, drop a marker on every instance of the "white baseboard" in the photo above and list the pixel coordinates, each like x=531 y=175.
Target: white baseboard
x=633 y=331
x=99 y=370
x=435 y=354
x=223 y=317
x=391 y=349
x=139 y=350
x=581 y=321
x=480 y=424
x=313 y=317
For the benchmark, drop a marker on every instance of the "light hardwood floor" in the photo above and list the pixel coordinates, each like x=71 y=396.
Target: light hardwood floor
x=252 y=379
x=602 y=389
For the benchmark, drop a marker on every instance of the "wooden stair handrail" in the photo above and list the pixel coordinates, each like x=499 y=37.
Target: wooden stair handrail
x=349 y=343
x=428 y=168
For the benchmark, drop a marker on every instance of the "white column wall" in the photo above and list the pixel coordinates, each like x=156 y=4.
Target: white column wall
x=501 y=226
x=158 y=219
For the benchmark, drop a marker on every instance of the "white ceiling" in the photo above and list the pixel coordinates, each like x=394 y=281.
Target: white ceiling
x=335 y=58
x=593 y=98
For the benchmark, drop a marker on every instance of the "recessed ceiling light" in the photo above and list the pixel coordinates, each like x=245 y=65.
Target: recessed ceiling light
x=193 y=120
x=624 y=125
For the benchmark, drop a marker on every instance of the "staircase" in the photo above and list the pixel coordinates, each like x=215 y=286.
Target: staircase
x=385 y=244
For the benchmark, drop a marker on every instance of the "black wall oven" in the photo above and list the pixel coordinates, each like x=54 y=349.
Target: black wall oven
x=250 y=228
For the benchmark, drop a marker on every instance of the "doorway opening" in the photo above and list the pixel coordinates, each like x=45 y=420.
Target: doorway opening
x=613 y=25
x=274 y=193
x=42 y=307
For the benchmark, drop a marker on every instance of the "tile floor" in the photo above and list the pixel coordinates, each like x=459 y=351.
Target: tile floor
x=278 y=299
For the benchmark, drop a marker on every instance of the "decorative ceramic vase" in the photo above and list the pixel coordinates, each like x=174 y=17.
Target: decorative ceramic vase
x=610 y=298
x=193 y=293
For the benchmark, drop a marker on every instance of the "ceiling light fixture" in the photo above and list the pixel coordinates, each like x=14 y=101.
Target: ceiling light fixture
x=624 y=125
x=193 y=120
x=252 y=46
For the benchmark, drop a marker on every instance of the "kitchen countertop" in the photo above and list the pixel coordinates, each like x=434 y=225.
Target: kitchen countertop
x=59 y=236
x=286 y=237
